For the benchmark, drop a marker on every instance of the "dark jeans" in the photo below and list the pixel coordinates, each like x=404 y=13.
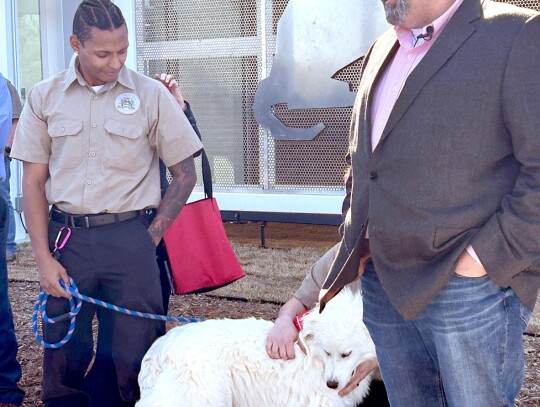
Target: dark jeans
x=11 y=246
x=114 y=263
x=10 y=370
x=464 y=349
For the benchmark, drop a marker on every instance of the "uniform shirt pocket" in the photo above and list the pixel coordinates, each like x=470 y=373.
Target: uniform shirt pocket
x=66 y=143
x=124 y=147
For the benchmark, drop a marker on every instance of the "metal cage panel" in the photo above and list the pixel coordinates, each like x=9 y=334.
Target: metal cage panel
x=220 y=50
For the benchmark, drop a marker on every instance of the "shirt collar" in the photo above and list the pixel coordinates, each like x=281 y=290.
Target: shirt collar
x=73 y=74
x=407 y=37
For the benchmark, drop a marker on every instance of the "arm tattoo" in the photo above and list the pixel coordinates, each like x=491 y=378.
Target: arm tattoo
x=184 y=178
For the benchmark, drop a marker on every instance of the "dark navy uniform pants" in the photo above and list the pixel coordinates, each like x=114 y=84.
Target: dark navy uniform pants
x=114 y=263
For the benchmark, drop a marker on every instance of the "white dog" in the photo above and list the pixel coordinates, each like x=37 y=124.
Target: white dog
x=223 y=363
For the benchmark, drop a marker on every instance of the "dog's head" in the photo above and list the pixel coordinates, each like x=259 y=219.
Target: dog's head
x=338 y=337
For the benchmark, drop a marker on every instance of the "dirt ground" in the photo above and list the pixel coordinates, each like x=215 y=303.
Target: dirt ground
x=285 y=243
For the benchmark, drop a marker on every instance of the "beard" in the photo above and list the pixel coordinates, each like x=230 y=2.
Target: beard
x=396 y=14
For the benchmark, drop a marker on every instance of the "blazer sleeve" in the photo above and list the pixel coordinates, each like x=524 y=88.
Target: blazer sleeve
x=509 y=242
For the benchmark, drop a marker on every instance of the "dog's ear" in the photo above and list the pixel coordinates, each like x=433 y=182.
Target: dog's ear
x=306 y=337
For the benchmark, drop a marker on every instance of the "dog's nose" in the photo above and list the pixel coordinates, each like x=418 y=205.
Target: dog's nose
x=333 y=384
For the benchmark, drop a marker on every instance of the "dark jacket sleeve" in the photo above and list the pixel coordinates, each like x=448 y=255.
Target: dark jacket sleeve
x=509 y=242
x=164 y=182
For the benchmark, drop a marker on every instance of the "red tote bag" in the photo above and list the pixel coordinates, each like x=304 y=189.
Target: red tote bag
x=200 y=255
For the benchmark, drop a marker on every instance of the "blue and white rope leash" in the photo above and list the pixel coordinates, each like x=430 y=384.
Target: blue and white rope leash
x=75 y=304
x=76 y=300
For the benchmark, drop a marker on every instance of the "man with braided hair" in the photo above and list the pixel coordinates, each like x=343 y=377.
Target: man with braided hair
x=90 y=139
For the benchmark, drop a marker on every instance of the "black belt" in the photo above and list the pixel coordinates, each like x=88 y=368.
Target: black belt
x=92 y=221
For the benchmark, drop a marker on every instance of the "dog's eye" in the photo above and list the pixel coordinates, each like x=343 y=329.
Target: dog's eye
x=346 y=355
x=327 y=353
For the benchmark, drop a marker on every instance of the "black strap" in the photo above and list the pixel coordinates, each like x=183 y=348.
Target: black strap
x=207 y=175
x=93 y=220
x=206 y=172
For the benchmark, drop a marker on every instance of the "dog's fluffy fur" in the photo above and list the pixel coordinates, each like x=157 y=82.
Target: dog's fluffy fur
x=223 y=363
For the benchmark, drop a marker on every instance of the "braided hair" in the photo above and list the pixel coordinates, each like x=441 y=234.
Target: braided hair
x=102 y=14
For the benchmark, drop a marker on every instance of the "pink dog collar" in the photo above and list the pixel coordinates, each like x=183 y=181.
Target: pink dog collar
x=299 y=320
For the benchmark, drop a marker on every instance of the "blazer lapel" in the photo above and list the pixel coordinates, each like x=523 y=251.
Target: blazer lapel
x=375 y=63
x=453 y=36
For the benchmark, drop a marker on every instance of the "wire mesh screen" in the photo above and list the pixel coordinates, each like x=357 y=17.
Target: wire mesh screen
x=532 y=4
x=220 y=50
x=216 y=49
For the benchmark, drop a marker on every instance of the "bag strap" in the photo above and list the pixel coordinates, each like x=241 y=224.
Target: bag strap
x=207 y=175
x=206 y=172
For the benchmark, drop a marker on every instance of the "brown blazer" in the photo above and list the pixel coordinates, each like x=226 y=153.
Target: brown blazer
x=458 y=162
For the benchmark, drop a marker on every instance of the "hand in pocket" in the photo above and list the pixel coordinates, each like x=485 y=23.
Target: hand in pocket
x=467 y=266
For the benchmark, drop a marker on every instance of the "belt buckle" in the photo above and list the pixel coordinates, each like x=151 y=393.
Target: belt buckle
x=76 y=226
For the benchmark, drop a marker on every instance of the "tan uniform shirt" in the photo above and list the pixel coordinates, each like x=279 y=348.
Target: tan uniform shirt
x=102 y=148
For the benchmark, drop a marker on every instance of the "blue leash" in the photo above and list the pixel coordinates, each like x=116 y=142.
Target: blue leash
x=75 y=304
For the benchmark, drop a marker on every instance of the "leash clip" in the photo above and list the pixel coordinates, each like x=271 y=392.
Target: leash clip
x=57 y=246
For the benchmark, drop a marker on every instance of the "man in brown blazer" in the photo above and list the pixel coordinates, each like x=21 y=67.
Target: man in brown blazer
x=444 y=199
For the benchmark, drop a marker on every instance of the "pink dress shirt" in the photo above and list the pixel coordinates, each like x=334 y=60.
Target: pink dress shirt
x=410 y=53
